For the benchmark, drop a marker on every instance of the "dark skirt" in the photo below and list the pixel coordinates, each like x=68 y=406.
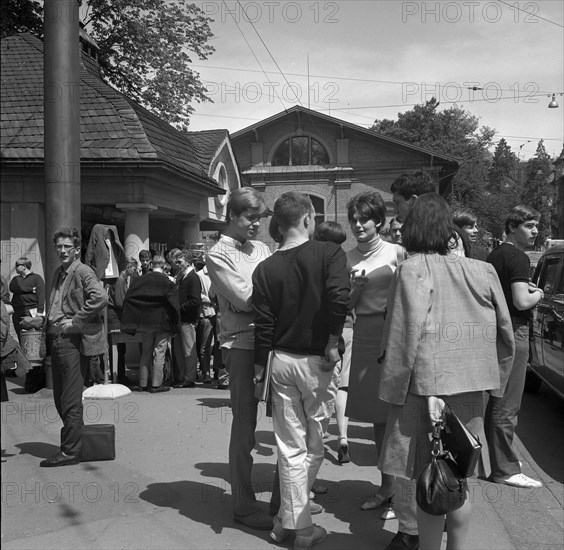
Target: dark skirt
x=364 y=378
x=407 y=441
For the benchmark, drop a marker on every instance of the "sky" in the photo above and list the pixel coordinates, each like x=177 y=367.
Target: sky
x=373 y=59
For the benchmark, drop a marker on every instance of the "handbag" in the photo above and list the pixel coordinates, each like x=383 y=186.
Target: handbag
x=464 y=447
x=441 y=488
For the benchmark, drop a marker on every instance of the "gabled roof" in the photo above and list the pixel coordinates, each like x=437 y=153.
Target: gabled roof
x=374 y=135
x=113 y=128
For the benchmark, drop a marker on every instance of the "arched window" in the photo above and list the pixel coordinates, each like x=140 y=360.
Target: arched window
x=300 y=151
x=319 y=207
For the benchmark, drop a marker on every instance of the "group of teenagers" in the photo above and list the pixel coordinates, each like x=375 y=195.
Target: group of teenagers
x=384 y=333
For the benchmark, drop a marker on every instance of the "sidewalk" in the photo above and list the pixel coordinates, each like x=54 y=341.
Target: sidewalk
x=168 y=487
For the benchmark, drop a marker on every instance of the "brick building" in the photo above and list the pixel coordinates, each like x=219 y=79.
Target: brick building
x=329 y=159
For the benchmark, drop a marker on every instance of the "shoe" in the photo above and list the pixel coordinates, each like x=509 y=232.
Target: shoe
x=59 y=459
x=159 y=389
x=184 y=385
x=315 y=508
x=139 y=388
x=304 y=542
x=278 y=533
x=208 y=381
x=388 y=512
x=518 y=480
x=257 y=520
x=374 y=502
x=403 y=541
x=319 y=489
x=343 y=455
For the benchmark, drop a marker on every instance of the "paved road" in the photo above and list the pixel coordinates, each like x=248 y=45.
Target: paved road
x=168 y=486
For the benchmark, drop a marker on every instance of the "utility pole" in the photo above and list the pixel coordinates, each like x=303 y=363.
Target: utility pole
x=62 y=122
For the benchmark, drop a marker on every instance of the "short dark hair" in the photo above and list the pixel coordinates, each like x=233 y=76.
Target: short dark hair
x=330 y=231
x=417 y=183
x=369 y=205
x=464 y=216
x=520 y=214
x=274 y=231
x=185 y=254
x=429 y=227
x=68 y=233
x=245 y=198
x=144 y=255
x=24 y=261
x=131 y=262
x=397 y=219
x=290 y=208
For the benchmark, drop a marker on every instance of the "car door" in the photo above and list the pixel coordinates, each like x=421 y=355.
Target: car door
x=548 y=327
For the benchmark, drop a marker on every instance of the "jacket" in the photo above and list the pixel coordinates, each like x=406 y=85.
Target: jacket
x=151 y=305
x=97 y=254
x=83 y=300
x=190 y=297
x=447 y=329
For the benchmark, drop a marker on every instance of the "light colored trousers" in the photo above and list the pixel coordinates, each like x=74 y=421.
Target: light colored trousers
x=301 y=401
x=186 y=353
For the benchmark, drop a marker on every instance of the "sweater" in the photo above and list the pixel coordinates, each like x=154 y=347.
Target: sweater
x=300 y=297
x=28 y=293
x=189 y=295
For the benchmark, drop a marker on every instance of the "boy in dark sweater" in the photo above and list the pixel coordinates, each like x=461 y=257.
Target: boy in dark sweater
x=300 y=297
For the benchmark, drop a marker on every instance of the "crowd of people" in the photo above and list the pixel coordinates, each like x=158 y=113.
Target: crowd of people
x=389 y=332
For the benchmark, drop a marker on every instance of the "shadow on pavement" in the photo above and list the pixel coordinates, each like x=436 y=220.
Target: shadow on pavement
x=206 y=503
x=214 y=402
x=37 y=449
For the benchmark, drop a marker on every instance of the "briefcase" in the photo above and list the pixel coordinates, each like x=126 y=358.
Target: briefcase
x=98 y=442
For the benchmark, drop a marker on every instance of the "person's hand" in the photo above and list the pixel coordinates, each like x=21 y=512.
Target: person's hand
x=65 y=326
x=332 y=356
x=436 y=407
x=358 y=281
x=260 y=371
x=534 y=288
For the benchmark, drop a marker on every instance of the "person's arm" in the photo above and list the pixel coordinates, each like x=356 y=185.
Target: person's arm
x=525 y=296
x=40 y=293
x=229 y=283
x=95 y=298
x=265 y=317
x=174 y=303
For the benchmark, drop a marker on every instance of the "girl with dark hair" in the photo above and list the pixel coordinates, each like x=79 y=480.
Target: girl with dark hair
x=372 y=264
x=438 y=352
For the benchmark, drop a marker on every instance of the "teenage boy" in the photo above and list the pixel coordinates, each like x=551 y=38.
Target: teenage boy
x=300 y=296
x=231 y=262
x=513 y=268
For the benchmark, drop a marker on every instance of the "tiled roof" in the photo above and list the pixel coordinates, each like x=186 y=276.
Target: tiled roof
x=112 y=126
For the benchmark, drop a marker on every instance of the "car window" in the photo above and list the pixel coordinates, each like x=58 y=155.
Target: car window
x=548 y=273
x=560 y=286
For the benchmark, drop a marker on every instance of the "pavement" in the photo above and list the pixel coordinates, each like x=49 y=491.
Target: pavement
x=168 y=486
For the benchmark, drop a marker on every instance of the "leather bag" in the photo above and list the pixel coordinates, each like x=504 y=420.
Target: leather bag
x=98 y=442
x=464 y=447
x=440 y=488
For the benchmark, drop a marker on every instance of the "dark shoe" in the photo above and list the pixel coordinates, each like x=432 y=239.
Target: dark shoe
x=139 y=388
x=159 y=389
x=278 y=533
x=223 y=386
x=343 y=455
x=59 y=459
x=208 y=381
x=305 y=542
x=403 y=541
x=258 y=520
x=185 y=385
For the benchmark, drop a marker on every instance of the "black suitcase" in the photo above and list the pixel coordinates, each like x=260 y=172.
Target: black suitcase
x=98 y=442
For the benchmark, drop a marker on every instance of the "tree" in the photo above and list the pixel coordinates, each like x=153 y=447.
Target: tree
x=145 y=49
x=539 y=192
x=455 y=132
x=21 y=16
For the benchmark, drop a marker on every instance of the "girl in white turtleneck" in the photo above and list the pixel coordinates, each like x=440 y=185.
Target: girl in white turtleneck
x=372 y=264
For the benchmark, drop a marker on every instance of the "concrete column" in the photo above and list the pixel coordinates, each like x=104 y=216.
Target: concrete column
x=136 y=227
x=190 y=231
x=62 y=121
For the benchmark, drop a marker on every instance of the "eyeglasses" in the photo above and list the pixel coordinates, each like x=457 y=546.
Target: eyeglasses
x=64 y=247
